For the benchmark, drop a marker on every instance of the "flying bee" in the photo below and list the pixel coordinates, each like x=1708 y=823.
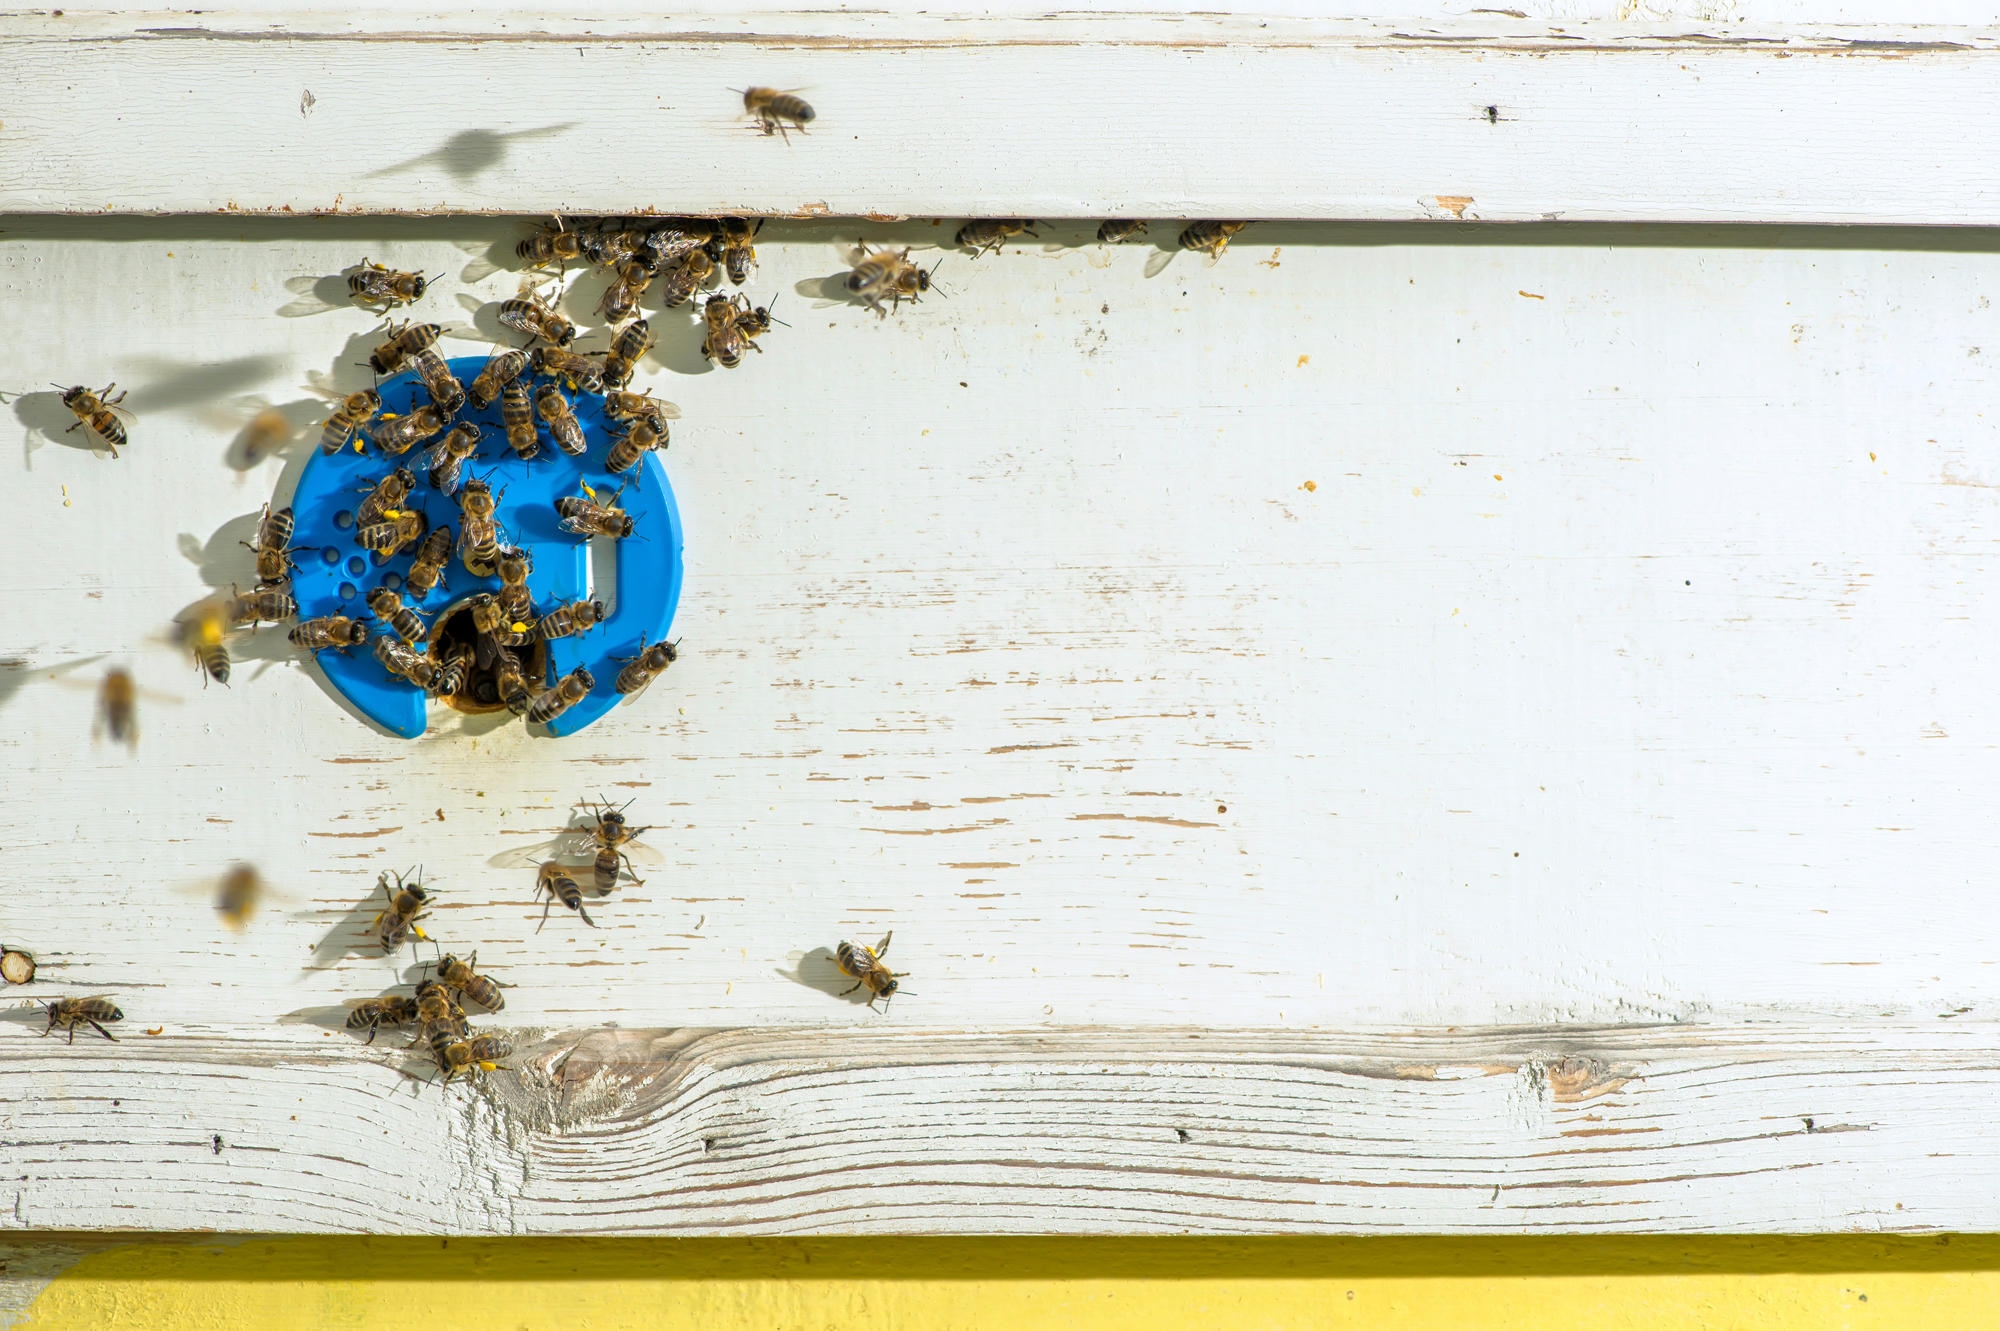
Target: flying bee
x=99 y=411
x=517 y=415
x=202 y=628
x=375 y=284
x=495 y=375
x=559 y=697
x=237 y=899
x=511 y=684
x=586 y=517
x=582 y=371
x=403 y=343
x=734 y=248
x=117 y=708
x=354 y=412
x=863 y=965
x=266 y=433
x=447 y=394
x=389 y=608
x=402 y=663
x=641 y=437
x=453 y=674
x=1117 y=232
x=626 y=348
x=335 y=631
x=265 y=603
x=397 y=434
x=389 y=536
x=448 y=455
x=482 y=1054
x=514 y=603
x=549 y=245
x=273 y=546
x=563 y=425
x=387 y=493
x=481 y=989
x=687 y=277
x=990 y=234
x=1211 y=238
x=611 y=836
x=389 y=1010
x=623 y=295
x=526 y=313
x=777 y=111
x=638 y=406
x=409 y=903
x=556 y=881
x=575 y=617
x=70 y=1013
x=648 y=665
x=427 y=569
x=886 y=273
x=478 y=533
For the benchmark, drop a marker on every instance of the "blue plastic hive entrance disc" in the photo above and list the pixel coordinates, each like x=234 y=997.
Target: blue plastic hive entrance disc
x=644 y=593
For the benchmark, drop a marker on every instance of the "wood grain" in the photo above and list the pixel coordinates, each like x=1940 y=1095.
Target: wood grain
x=1482 y=117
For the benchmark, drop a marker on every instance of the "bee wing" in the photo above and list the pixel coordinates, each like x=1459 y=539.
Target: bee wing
x=1157 y=261
x=535 y=854
x=641 y=853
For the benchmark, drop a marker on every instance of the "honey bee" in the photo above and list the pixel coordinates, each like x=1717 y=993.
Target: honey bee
x=558 y=698
x=563 y=425
x=648 y=665
x=265 y=603
x=637 y=406
x=1117 y=232
x=1211 y=238
x=453 y=674
x=610 y=834
x=374 y=284
x=202 y=628
x=626 y=348
x=495 y=375
x=641 y=436
x=526 y=313
x=511 y=684
x=687 y=277
x=389 y=1010
x=726 y=345
x=575 y=617
x=482 y=1054
x=266 y=433
x=734 y=247
x=517 y=415
x=387 y=493
x=549 y=245
x=402 y=663
x=490 y=621
x=479 y=534
x=438 y=1014
x=447 y=394
x=623 y=295
x=586 y=517
x=354 y=412
x=757 y=321
x=582 y=371
x=273 y=546
x=236 y=901
x=99 y=411
x=335 y=631
x=607 y=247
x=447 y=456
x=886 y=273
x=481 y=989
x=389 y=608
x=70 y=1013
x=556 y=881
x=387 y=537
x=397 y=434
x=663 y=242
x=777 y=111
x=863 y=965
x=117 y=708
x=512 y=600
x=990 y=234
x=403 y=343
x=409 y=903
x=427 y=569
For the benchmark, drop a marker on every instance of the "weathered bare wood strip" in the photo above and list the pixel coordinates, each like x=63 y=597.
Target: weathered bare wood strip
x=1487 y=117
x=873 y=1130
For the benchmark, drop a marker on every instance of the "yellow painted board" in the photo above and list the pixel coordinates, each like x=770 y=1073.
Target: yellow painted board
x=1935 y=1282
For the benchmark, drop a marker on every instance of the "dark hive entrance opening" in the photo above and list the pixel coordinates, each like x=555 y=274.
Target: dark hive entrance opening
x=453 y=630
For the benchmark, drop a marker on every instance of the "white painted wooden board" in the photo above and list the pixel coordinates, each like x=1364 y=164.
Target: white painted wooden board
x=1626 y=661
x=1484 y=116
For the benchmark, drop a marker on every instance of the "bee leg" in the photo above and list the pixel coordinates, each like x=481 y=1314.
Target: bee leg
x=850 y=989
x=545 y=913
x=586 y=915
x=72 y=1032
x=418 y=930
x=882 y=948
x=101 y=1031
x=72 y=427
x=373 y=1031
